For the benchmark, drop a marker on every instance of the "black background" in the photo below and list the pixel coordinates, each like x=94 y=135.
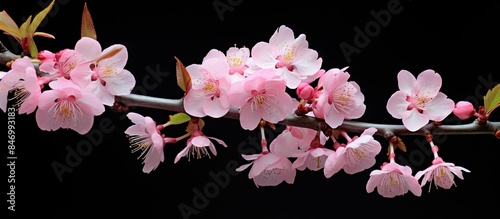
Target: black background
x=459 y=40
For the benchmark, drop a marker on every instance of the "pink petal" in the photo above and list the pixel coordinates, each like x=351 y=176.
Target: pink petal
x=334 y=163
x=439 y=108
x=88 y=48
x=309 y=63
x=292 y=78
x=413 y=120
x=193 y=103
x=121 y=84
x=119 y=60
x=264 y=56
x=249 y=119
x=332 y=117
x=244 y=167
x=237 y=95
x=136 y=118
x=458 y=171
x=96 y=88
x=48 y=97
x=397 y=104
x=137 y=130
x=182 y=153
x=200 y=141
x=262 y=163
x=218 y=68
x=413 y=185
x=251 y=156
x=214 y=54
x=152 y=160
x=90 y=104
x=373 y=182
x=221 y=142
x=428 y=82
x=406 y=81
x=213 y=107
x=299 y=162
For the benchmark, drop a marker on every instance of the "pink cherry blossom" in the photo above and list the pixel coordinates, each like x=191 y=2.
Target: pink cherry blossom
x=341 y=99
x=419 y=100
x=270 y=168
x=67 y=106
x=261 y=96
x=104 y=74
x=145 y=137
x=393 y=180
x=196 y=146
x=440 y=172
x=23 y=82
x=237 y=59
x=313 y=156
x=61 y=63
x=290 y=56
x=359 y=154
x=210 y=84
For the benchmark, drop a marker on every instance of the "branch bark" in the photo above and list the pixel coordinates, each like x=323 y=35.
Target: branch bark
x=384 y=130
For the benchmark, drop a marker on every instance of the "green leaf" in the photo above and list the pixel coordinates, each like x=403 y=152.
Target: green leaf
x=492 y=99
x=183 y=78
x=39 y=17
x=179 y=118
x=88 y=29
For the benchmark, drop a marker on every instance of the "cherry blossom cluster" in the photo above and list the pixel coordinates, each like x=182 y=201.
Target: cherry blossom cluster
x=255 y=81
x=66 y=89
x=71 y=87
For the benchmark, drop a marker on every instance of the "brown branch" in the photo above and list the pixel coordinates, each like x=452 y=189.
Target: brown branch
x=384 y=130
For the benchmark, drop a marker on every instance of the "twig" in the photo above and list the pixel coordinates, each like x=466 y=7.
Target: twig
x=384 y=130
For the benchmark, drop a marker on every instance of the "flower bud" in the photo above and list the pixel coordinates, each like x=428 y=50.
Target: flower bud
x=305 y=91
x=464 y=110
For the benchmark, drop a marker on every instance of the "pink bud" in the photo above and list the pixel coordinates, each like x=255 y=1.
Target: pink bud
x=45 y=54
x=305 y=91
x=464 y=110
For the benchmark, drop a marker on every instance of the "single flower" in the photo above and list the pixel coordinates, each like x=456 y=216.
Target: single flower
x=419 y=100
x=261 y=96
x=440 y=172
x=196 y=146
x=67 y=106
x=359 y=154
x=393 y=180
x=210 y=83
x=145 y=137
x=341 y=99
x=290 y=57
x=103 y=73
x=22 y=81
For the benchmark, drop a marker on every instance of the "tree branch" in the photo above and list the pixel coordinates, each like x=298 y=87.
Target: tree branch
x=384 y=130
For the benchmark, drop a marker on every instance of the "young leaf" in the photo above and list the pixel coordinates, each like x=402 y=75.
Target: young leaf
x=8 y=25
x=88 y=29
x=179 y=118
x=492 y=99
x=39 y=17
x=183 y=78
